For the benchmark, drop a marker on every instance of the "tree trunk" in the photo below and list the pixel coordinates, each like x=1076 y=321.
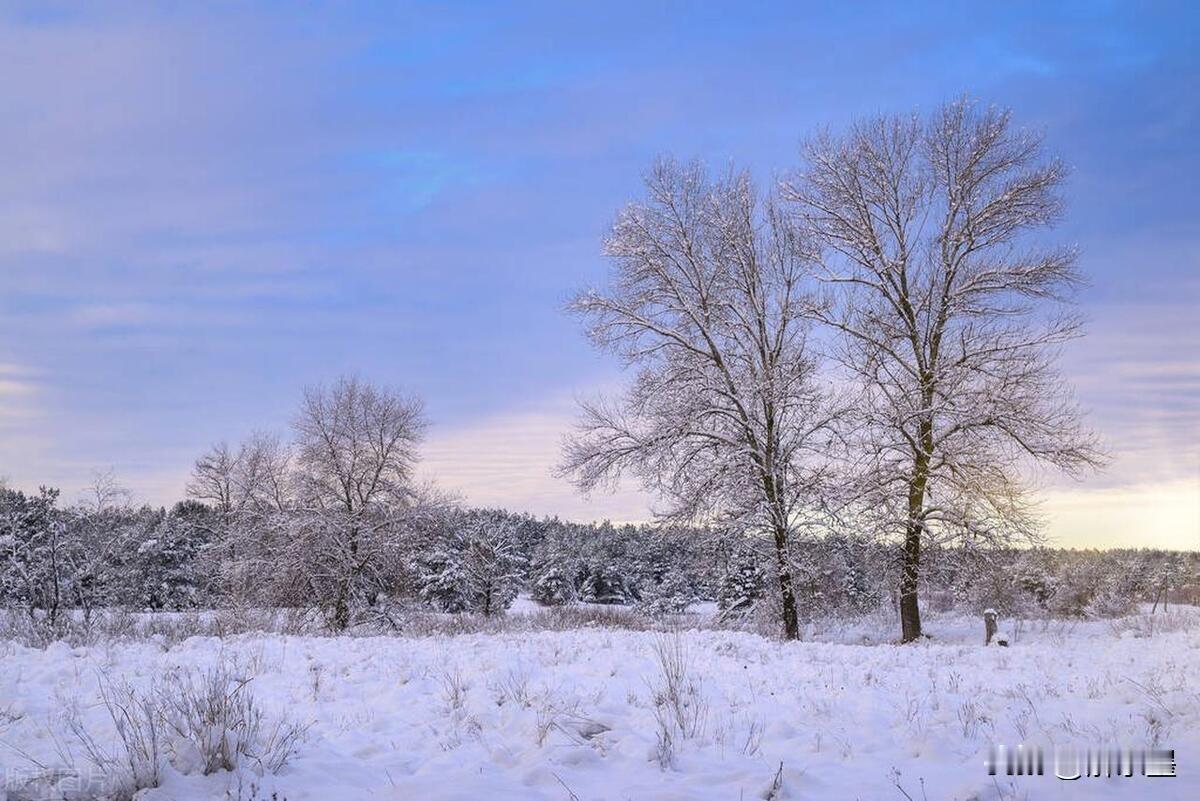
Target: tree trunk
x=55 y=582
x=341 y=611
x=787 y=593
x=910 y=612
x=910 y=574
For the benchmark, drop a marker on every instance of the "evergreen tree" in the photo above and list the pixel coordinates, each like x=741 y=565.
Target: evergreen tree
x=552 y=586
x=444 y=580
x=603 y=585
x=742 y=584
x=494 y=565
x=670 y=595
x=475 y=567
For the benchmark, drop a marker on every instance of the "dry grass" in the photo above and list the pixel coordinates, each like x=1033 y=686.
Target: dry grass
x=680 y=708
x=170 y=628
x=215 y=723
x=195 y=722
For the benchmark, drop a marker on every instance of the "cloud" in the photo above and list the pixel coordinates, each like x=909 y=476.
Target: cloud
x=209 y=207
x=103 y=315
x=18 y=387
x=1137 y=373
x=24 y=444
x=508 y=460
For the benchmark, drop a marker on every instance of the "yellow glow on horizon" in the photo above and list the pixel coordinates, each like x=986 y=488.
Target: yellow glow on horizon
x=508 y=460
x=1149 y=516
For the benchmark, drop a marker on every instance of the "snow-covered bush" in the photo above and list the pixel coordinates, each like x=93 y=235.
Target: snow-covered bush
x=1110 y=601
x=212 y=721
x=741 y=585
x=474 y=567
x=552 y=587
x=670 y=595
x=680 y=706
x=195 y=722
x=128 y=762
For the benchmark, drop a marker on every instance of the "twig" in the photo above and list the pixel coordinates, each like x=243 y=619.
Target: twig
x=570 y=792
x=776 y=785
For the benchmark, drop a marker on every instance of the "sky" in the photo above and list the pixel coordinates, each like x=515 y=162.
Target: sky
x=205 y=207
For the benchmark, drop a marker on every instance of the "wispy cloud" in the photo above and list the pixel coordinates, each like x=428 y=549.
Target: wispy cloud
x=24 y=437
x=206 y=207
x=1137 y=372
x=17 y=385
x=509 y=460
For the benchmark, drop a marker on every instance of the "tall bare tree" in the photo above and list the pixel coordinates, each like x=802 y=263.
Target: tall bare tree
x=264 y=473
x=356 y=447
x=723 y=418
x=214 y=479
x=950 y=312
x=106 y=492
x=254 y=477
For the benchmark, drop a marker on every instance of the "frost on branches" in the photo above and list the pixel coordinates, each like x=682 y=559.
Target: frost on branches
x=947 y=315
x=724 y=418
x=475 y=566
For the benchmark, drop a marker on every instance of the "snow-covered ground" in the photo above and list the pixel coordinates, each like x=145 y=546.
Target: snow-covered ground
x=589 y=714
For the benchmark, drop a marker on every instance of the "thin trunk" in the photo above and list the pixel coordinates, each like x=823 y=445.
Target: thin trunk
x=910 y=612
x=341 y=612
x=54 y=582
x=910 y=575
x=787 y=593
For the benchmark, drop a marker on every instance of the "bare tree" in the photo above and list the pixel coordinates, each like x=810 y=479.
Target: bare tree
x=106 y=492
x=253 y=477
x=214 y=479
x=356 y=444
x=264 y=473
x=248 y=487
x=949 y=314
x=723 y=418
x=356 y=447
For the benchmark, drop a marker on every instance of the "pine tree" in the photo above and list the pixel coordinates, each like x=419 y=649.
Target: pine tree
x=445 y=583
x=552 y=586
x=475 y=567
x=741 y=585
x=671 y=595
x=494 y=565
x=603 y=585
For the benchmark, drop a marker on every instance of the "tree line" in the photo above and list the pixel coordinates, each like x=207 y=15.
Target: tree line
x=90 y=557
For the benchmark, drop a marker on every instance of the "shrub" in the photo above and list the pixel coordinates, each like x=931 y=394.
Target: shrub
x=196 y=722
x=214 y=723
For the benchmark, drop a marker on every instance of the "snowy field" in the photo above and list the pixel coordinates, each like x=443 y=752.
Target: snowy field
x=614 y=714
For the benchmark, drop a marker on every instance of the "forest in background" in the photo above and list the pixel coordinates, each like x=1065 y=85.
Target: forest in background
x=438 y=555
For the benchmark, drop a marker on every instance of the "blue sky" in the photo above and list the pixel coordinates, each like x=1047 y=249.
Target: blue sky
x=205 y=207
